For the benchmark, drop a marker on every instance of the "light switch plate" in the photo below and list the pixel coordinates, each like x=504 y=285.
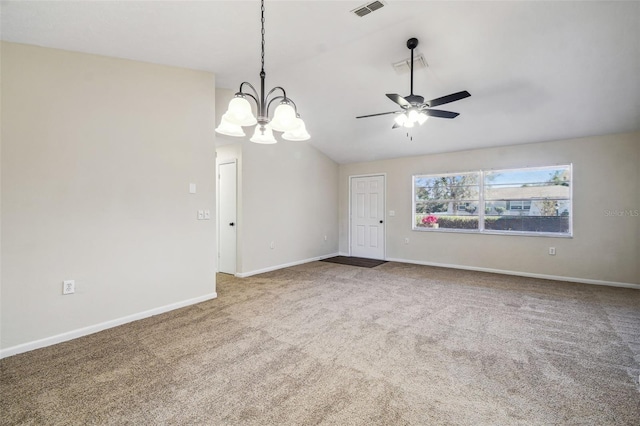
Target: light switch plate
x=200 y=214
x=192 y=188
x=207 y=214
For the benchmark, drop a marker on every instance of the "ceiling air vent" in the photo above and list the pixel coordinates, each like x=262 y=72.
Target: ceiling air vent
x=403 y=67
x=368 y=8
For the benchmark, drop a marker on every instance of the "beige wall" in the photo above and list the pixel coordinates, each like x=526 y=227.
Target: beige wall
x=604 y=248
x=290 y=198
x=97 y=157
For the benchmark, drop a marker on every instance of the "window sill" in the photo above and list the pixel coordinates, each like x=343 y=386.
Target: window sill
x=489 y=232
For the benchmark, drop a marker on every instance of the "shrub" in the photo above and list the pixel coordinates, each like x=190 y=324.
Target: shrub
x=458 y=222
x=503 y=223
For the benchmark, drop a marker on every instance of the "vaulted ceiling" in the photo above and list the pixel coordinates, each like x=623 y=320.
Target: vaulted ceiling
x=537 y=71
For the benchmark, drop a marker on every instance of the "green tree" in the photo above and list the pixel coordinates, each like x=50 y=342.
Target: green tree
x=559 y=177
x=441 y=194
x=548 y=208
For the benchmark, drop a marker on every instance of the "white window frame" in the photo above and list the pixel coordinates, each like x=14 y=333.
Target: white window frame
x=482 y=204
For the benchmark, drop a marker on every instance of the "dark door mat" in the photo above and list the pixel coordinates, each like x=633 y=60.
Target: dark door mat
x=355 y=261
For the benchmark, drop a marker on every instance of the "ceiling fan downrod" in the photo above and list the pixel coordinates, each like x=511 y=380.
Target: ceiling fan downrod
x=412 y=43
x=414 y=100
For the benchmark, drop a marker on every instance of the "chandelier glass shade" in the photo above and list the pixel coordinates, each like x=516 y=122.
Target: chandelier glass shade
x=228 y=128
x=240 y=112
x=297 y=134
x=263 y=135
x=284 y=118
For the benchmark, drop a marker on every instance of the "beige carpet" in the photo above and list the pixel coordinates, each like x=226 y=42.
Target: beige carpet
x=324 y=343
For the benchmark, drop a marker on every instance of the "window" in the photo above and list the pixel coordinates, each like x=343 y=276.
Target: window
x=533 y=201
x=518 y=205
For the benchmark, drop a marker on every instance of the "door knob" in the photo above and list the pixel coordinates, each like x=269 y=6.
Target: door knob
x=231 y=224
x=380 y=221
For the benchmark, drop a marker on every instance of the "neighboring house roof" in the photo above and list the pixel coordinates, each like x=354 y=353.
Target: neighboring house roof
x=527 y=192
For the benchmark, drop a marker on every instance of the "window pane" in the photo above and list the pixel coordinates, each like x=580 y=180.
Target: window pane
x=447 y=201
x=528 y=200
x=449 y=187
x=559 y=175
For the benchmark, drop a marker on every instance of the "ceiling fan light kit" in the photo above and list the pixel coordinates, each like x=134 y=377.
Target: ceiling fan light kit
x=285 y=118
x=414 y=108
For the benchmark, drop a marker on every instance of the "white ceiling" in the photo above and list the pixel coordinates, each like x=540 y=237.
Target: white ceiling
x=537 y=71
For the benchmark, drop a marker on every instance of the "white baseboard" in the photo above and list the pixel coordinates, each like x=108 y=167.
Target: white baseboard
x=521 y=274
x=74 y=334
x=285 y=265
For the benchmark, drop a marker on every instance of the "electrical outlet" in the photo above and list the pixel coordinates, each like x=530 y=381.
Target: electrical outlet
x=68 y=287
x=272 y=245
x=552 y=251
x=325 y=238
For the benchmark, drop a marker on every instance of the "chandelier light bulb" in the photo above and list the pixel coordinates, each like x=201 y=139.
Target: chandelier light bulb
x=422 y=117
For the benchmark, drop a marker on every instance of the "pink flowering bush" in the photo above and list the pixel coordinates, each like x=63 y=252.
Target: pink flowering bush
x=429 y=220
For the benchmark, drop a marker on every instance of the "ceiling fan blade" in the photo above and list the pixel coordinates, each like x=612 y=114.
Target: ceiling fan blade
x=399 y=100
x=380 y=113
x=440 y=114
x=449 y=98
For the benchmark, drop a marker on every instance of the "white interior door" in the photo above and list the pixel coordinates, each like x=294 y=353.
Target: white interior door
x=227 y=224
x=367 y=217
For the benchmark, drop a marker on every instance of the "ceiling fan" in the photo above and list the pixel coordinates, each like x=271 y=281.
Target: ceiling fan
x=414 y=108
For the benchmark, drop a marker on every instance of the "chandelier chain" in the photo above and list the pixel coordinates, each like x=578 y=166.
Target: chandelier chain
x=262 y=12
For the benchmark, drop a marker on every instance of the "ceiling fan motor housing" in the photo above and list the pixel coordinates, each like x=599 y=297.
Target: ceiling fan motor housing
x=415 y=99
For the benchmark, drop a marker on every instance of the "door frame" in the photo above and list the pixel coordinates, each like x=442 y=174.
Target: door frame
x=219 y=163
x=384 y=188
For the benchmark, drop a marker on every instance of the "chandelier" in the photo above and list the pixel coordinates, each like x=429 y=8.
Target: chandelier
x=285 y=117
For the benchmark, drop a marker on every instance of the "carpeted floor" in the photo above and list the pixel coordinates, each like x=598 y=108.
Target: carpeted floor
x=324 y=343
